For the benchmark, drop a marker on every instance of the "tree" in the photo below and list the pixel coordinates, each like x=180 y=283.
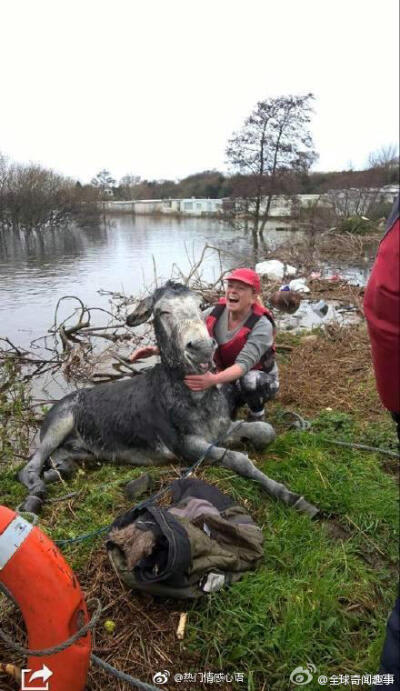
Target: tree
x=103 y=180
x=386 y=160
x=129 y=180
x=127 y=185
x=273 y=143
x=34 y=198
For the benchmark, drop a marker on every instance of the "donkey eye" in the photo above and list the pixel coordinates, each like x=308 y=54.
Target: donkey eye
x=162 y=312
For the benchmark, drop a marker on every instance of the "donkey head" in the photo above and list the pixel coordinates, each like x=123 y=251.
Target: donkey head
x=181 y=334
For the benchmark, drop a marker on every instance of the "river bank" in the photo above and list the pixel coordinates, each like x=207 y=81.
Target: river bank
x=324 y=588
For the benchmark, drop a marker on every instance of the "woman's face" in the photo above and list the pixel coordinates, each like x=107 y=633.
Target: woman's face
x=239 y=297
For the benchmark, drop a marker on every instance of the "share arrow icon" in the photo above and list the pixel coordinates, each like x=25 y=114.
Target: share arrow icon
x=44 y=674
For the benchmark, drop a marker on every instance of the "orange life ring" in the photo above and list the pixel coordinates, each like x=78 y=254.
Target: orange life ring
x=50 y=598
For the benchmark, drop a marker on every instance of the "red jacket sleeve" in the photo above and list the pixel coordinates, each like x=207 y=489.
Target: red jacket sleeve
x=382 y=310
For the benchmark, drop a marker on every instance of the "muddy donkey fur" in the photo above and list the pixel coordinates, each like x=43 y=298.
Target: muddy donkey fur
x=153 y=417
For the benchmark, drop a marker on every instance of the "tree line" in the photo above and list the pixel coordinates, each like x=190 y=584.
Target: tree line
x=271 y=154
x=213 y=184
x=33 y=197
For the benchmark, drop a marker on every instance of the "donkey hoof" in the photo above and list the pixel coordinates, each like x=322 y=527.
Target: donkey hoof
x=50 y=476
x=304 y=506
x=32 y=481
x=32 y=504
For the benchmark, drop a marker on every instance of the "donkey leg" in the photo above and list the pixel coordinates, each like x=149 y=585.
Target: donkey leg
x=241 y=464
x=259 y=434
x=138 y=456
x=64 y=464
x=54 y=436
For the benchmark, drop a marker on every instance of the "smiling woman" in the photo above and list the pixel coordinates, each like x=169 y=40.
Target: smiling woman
x=244 y=359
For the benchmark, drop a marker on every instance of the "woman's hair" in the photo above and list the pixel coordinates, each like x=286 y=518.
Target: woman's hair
x=259 y=300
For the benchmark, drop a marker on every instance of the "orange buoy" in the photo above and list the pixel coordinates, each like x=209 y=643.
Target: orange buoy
x=51 y=601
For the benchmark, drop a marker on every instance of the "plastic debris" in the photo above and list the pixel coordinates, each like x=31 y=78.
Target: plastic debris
x=272 y=269
x=320 y=308
x=290 y=270
x=314 y=275
x=299 y=285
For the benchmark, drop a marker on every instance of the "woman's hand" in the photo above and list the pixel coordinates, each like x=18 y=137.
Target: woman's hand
x=142 y=353
x=200 y=382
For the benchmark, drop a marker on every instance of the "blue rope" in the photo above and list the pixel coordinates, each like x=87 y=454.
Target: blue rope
x=123 y=676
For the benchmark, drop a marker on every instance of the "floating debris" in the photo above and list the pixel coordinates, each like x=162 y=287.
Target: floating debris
x=313 y=315
x=299 y=285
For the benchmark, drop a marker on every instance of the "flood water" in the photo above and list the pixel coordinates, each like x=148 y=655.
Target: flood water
x=37 y=269
x=122 y=256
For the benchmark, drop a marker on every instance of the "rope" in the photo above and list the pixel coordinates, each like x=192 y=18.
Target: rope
x=61 y=646
x=123 y=676
x=33 y=516
x=361 y=446
x=156 y=495
x=305 y=425
x=80 y=538
x=95 y=617
x=70 y=641
x=300 y=422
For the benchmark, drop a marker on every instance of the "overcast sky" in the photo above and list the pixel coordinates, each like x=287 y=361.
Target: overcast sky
x=156 y=88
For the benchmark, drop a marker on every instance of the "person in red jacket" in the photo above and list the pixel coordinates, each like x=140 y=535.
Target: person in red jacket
x=382 y=311
x=245 y=357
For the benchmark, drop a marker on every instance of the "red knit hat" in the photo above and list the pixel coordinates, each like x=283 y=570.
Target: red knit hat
x=247 y=276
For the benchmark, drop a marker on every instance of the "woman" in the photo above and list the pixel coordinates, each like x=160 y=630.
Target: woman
x=245 y=356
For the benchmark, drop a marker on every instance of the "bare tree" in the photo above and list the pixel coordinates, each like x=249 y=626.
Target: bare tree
x=386 y=161
x=129 y=180
x=386 y=155
x=273 y=142
x=33 y=198
x=102 y=181
x=3 y=180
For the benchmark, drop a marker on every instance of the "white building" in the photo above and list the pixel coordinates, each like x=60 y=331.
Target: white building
x=181 y=207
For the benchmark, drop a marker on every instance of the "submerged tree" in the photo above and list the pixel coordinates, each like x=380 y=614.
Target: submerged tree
x=273 y=143
x=34 y=198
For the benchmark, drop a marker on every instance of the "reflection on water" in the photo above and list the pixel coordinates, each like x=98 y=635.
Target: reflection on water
x=38 y=268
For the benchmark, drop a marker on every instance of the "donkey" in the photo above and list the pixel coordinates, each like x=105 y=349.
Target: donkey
x=154 y=417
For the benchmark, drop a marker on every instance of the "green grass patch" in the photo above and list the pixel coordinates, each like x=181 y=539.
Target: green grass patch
x=325 y=587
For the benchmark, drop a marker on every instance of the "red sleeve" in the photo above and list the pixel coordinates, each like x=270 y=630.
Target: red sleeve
x=382 y=310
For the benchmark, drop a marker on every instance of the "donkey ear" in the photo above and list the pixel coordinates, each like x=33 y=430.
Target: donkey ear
x=141 y=313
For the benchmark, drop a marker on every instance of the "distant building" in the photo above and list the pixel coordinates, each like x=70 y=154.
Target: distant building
x=352 y=200
x=180 y=207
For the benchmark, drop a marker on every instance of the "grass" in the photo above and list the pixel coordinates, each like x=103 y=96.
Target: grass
x=322 y=593
x=326 y=587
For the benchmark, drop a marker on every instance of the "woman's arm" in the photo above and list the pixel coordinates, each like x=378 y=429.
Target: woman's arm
x=200 y=382
x=145 y=352
x=259 y=340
